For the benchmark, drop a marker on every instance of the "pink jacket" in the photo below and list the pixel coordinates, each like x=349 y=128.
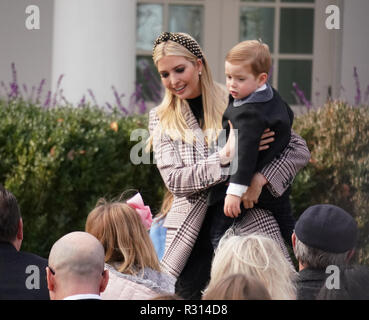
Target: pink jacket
x=127 y=287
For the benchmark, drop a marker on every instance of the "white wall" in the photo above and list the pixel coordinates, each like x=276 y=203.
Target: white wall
x=30 y=50
x=355 y=46
x=94 y=47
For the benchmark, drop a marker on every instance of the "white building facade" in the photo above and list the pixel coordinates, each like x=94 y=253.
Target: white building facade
x=100 y=44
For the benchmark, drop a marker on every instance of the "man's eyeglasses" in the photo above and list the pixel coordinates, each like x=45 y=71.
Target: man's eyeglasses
x=51 y=270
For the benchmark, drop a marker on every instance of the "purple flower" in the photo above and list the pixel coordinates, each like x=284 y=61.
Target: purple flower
x=48 y=100
x=92 y=96
x=118 y=101
x=57 y=90
x=358 y=91
x=14 y=90
x=39 y=90
x=301 y=96
x=82 y=102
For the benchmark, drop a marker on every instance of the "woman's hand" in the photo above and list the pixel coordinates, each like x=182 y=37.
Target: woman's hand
x=227 y=153
x=252 y=194
x=265 y=139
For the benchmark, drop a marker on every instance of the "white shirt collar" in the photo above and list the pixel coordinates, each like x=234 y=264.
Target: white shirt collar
x=263 y=87
x=83 y=296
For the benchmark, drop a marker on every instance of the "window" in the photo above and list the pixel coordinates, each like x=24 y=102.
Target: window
x=303 y=50
x=287 y=26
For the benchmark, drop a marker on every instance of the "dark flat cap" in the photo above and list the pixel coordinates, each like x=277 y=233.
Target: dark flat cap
x=328 y=228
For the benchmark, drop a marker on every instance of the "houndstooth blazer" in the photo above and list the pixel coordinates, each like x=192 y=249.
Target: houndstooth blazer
x=189 y=170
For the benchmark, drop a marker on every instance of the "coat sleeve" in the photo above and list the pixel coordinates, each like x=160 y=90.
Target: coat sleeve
x=182 y=180
x=281 y=172
x=250 y=126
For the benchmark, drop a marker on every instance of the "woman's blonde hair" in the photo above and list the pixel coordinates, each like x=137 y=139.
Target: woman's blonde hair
x=170 y=111
x=125 y=240
x=237 y=287
x=257 y=256
x=165 y=205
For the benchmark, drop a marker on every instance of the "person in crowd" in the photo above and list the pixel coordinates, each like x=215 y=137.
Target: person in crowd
x=254 y=255
x=184 y=130
x=122 y=228
x=325 y=235
x=22 y=274
x=157 y=231
x=237 y=286
x=352 y=284
x=253 y=107
x=76 y=268
x=172 y=296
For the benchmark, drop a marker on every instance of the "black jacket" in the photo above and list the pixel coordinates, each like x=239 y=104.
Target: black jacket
x=259 y=111
x=309 y=283
x=19 y=270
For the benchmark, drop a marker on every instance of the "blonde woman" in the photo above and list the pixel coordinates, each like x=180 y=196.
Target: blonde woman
x=134 y=271
x=237 y=287
x=255 y=256
x=183 y=130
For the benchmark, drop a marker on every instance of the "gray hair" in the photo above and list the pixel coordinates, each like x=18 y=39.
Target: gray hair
x=316 y=258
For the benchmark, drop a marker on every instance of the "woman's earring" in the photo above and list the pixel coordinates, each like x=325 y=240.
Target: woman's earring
x=200 y=73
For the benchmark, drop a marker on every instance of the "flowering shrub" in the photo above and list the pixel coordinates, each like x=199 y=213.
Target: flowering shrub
x=338 y=172
x=59 y=161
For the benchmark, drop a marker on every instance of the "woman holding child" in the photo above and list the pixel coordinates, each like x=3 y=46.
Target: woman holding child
x=183 y=131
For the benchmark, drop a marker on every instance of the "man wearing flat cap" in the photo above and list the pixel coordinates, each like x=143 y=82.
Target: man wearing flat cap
x=324 y=235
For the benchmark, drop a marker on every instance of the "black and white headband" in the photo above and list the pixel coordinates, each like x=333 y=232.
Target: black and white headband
x=187 y=42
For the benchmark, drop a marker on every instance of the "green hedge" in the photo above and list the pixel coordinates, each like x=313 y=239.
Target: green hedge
x=338 y=172
x=58 y=162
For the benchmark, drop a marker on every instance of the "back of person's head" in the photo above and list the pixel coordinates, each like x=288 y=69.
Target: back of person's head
x=9 y=215
x=251 y=53
x=126 y=241
x=324 y=235
x=353 y=285
x=237 y=287
x=257 y=256
x=172 y=296
x=76 y=262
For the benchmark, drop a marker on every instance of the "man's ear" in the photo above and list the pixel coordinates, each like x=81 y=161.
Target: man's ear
x=293 y=238
x=20 y=230
x=104 y=281
x=349 y=255
x=50 y=279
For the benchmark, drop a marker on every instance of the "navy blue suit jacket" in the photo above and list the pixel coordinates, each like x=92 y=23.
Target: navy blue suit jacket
x=254 y=114
x=13 y=275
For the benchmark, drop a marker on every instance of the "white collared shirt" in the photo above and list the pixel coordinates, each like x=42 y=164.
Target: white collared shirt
x=83 y=296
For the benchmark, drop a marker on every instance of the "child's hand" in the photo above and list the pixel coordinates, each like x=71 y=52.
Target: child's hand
x=252 y=194
x=232 y=206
